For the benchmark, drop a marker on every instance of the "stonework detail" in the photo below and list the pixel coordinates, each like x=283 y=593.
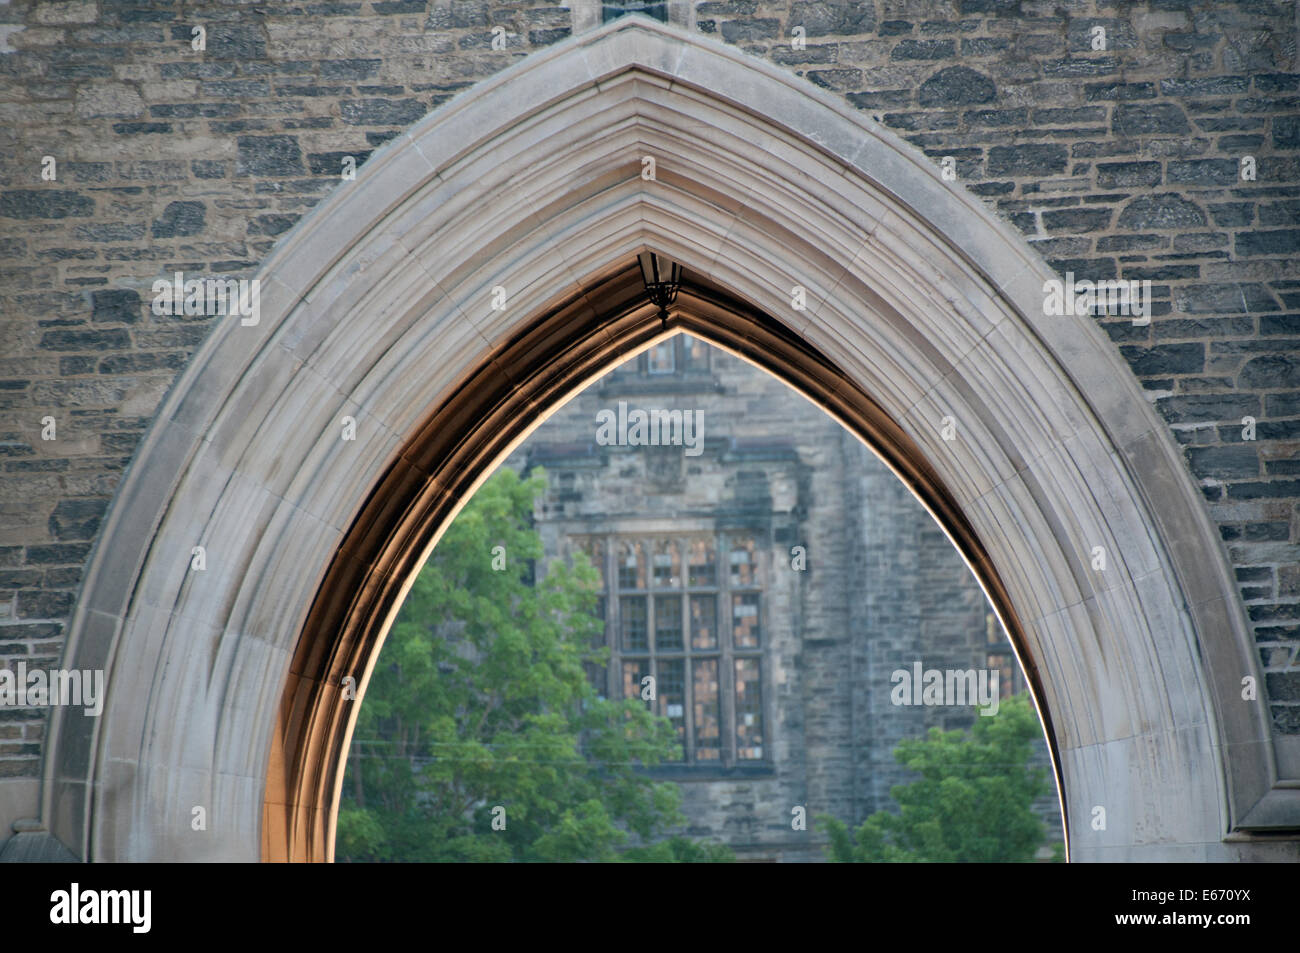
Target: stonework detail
x=1125 y=162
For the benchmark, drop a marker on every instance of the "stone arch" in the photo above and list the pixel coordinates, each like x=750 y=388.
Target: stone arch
x=224 y=685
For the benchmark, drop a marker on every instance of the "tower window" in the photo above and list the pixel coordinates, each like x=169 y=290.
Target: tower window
x=613 y=9
x=670 y=625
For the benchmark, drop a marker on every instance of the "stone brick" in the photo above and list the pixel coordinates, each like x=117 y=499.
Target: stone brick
x=815 y=53
x=381 y=112
x=235 y=42
x=1165 y=359
x=750 y=31
x=268 y=156
x=42 y=604
x=1224 y=298
x=19 y=578
x=1203 y=171
x=1121 y=243
x=921 y=120
x=1069 y=115
x=1211 y=242
x=1240 y=460
x=65 y=11
x=110 y=232
x=1282 y=169
x=842 y=79
x=1111 y=175
x=85 y=340
x=1030 y=159
x=1148 y=119
x=840 y=17
x=1248 y=144
x=956 y=86
x=58 y=553
x=923 y=50
x=1286 y=132
x=1077 y=219
x=117 y=306
x=1164 y=273
x=45 y=203
x=314 y=91
x=349 y=69
x=1207 y=408
x=76 y=519
x=1285 y=212
x=1272 y=490
x=996 y=117
x=136 y=363
x=984 y=46
x=1288 y=580
x=142 y=128
x=1080 y=66
x=1121 y=92
x=1283 y=686
x=1253 y=574
x=208 y=169
x=1285 y=241
x=1277 y=82
x=1232 y=214
x=1119 y=33
x=1282 y=405
x=108 y=100
x=331 y=163
x=1280 y=323
x=180 y=219
x=1206 y=86
x=271 y=224
x=1271 y=371
x=1166 y=210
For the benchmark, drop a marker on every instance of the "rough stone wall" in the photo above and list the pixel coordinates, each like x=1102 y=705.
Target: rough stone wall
x=1116 y=163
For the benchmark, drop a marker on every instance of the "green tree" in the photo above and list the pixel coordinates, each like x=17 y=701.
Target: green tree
x=971 y=803
x=479 y=710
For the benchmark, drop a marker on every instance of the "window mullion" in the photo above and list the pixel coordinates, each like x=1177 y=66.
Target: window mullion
x=688 y=666
x=614 y=672
x=726 y=655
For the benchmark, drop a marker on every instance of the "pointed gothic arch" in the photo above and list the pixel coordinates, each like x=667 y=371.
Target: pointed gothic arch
x=225 y=686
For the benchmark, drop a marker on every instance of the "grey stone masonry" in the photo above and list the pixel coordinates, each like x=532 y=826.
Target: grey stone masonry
x=1168 y=153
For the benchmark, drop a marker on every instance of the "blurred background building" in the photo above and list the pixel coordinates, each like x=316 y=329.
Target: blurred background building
x=770 y=581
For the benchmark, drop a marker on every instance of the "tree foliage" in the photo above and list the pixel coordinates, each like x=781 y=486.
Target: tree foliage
x=480 y=710
x=972 y=801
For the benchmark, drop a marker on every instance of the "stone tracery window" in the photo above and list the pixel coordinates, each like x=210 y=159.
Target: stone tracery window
x=668 y=623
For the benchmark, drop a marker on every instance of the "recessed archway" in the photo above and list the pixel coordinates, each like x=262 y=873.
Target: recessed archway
x=225 y=685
